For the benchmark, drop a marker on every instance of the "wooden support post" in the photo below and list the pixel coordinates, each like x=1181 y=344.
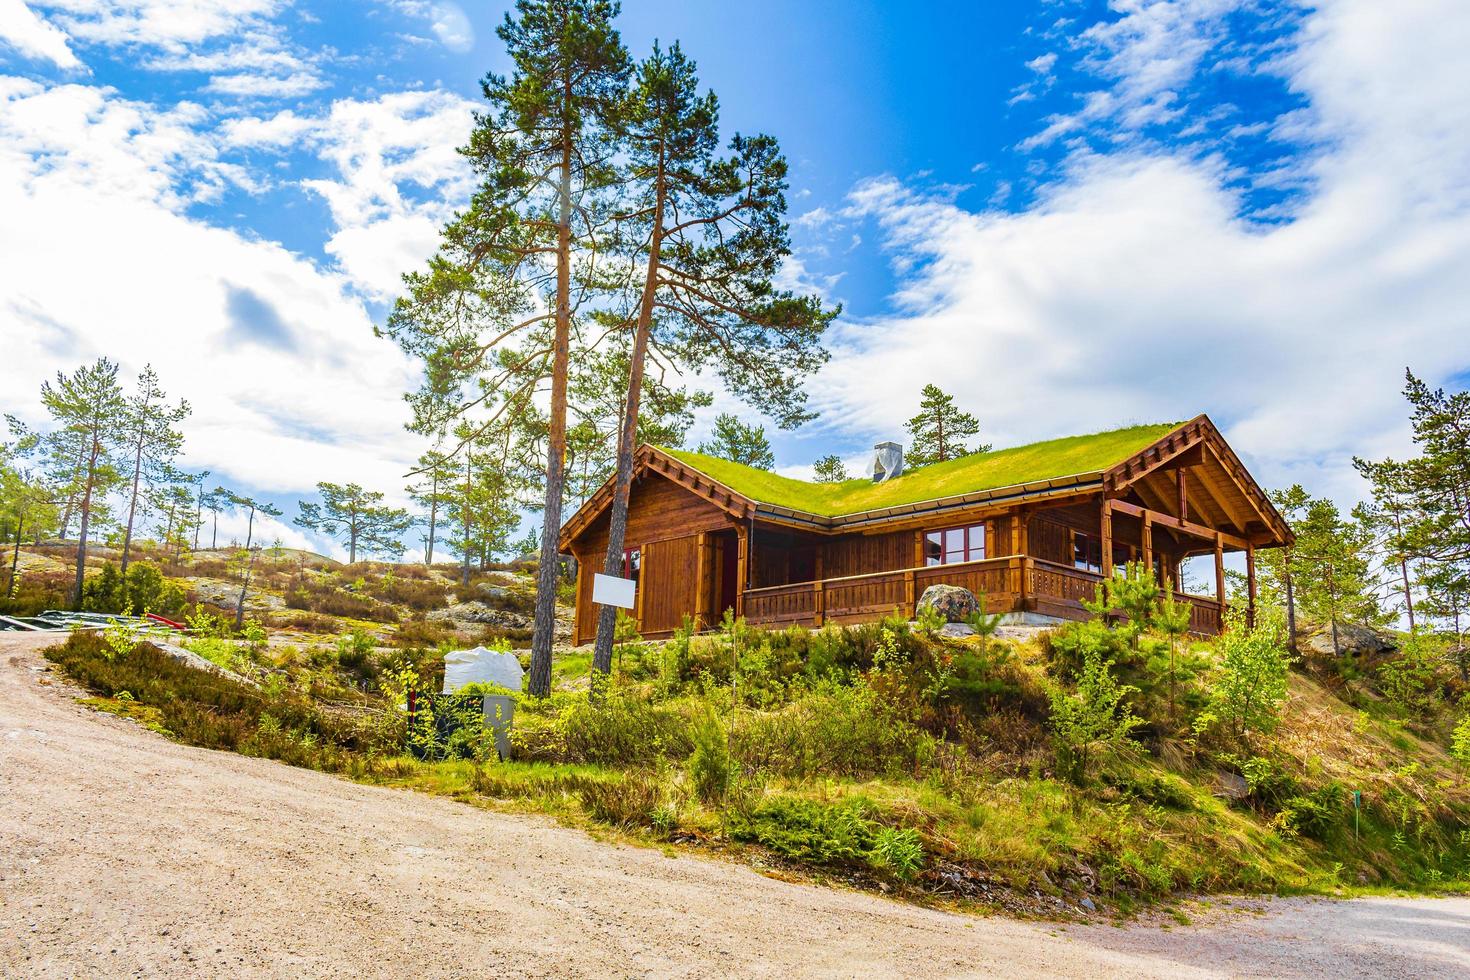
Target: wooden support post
x=1107 y=538
x=1220 y=574
x=1023 y=584
x=819 y=604
x=1148 y=543
x=742 y=561
x=909 y=603
x=584 y=596
x=1250 y=586
x=1023 y=536
x=704 y=591
x=1183 y=514
x=642 y=585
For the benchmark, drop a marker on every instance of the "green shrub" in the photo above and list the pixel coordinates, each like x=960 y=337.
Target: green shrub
x=836 y=730
x=829 y=835
x=711 y=768
x=1310 y=815
x=622 y=732
x=636 y=800
x=205 y=709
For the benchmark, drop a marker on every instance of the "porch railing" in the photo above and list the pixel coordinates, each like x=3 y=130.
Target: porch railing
x=1010 y=584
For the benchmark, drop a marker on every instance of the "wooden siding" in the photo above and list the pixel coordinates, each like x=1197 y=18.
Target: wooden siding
x=669 y=583
x=658 y=509
x=859 y=554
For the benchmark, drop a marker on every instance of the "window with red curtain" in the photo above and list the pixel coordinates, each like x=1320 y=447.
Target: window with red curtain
x=951 y=545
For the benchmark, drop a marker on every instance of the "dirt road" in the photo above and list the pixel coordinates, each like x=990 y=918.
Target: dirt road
x=123 y=853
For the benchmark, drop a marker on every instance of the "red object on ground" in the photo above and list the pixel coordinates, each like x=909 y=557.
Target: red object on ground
x=167 y=622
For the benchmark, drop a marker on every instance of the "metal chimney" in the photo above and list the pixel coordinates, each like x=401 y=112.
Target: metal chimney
x=887 y=461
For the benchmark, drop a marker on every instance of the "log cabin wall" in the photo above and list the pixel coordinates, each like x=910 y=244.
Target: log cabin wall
x=664 y=521
x=858 y=554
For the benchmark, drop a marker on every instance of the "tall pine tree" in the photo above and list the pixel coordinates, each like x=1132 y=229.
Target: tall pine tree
x=504 y=275
x=940 y=430
x=708 y=235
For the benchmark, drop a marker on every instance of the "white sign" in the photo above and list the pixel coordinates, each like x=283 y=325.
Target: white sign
x=609 y=590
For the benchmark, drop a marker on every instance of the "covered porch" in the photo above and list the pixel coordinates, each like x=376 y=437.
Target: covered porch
x=1028 y=572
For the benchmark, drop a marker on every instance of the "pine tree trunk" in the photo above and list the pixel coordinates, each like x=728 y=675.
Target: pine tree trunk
x=1290 y=611
x=607 y=616
x=15 y=556
x=465 y=513
x=86 y=515
x=1408 y=594
x=214 y=533
x=433 y=514
x=544 y=633
x=132 y=508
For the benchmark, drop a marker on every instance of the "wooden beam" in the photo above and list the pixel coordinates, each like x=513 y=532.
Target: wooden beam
x=1107 y=537
x=1187 y=527
x=1182 y=479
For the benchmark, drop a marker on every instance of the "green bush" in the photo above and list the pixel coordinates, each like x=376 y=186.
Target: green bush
x=836 y=730
x=622 y=732
x=636 y=800
x=205 y=709
x=829 y=835
x=711 y=768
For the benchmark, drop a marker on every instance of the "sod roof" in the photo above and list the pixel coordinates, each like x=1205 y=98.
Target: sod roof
x=1071 y=456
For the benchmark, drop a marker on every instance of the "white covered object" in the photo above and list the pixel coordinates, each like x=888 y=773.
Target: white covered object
x=484 y=666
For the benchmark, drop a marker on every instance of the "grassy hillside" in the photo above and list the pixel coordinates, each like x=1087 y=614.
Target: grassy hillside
x=298 y=597
x=889 y=757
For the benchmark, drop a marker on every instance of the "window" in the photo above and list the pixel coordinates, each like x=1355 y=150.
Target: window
x=632 y=564
x=1087 y=552
x=954 y=544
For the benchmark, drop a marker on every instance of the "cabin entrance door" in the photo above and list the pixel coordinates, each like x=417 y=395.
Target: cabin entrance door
x=724 y=584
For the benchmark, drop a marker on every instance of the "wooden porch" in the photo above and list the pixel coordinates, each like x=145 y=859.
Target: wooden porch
x=1016 y=583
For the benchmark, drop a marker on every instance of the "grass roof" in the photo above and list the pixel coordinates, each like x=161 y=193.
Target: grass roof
x=1049 y=460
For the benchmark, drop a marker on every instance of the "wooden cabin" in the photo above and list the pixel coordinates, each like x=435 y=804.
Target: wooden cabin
x=1034 y=528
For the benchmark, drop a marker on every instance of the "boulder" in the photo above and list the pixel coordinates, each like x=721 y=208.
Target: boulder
x=951 y=601
x=477 y=612
x=1362 y=642
x=1232 y=787
x=957 y=630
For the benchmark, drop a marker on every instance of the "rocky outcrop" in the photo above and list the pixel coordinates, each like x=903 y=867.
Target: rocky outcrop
x=475 y=611
x=954 y=603
x=1361 y=642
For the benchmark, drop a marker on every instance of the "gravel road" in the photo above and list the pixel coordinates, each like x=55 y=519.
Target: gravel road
x=124 y=853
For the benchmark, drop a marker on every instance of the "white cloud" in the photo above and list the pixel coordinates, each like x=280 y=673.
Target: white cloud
x=398 y=176
x=171 y=24
x=236 y=42
x=1133 y=291
x=447 y=21
x=27 y=32
x=277 y=356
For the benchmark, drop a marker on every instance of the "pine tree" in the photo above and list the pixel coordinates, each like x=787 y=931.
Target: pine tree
x=732 y=439
x=939 y=431
x=1392 y=518
x=829 y=469
x=87 y=408
x=711 y=235
x=245 y=558
x=153 y=444
x=506 y=267
x=357 y=517
x=1335 y=582
x=431 y=492
x=1279 y=566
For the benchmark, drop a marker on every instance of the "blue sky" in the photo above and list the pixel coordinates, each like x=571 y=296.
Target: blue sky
x=1071 y=214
